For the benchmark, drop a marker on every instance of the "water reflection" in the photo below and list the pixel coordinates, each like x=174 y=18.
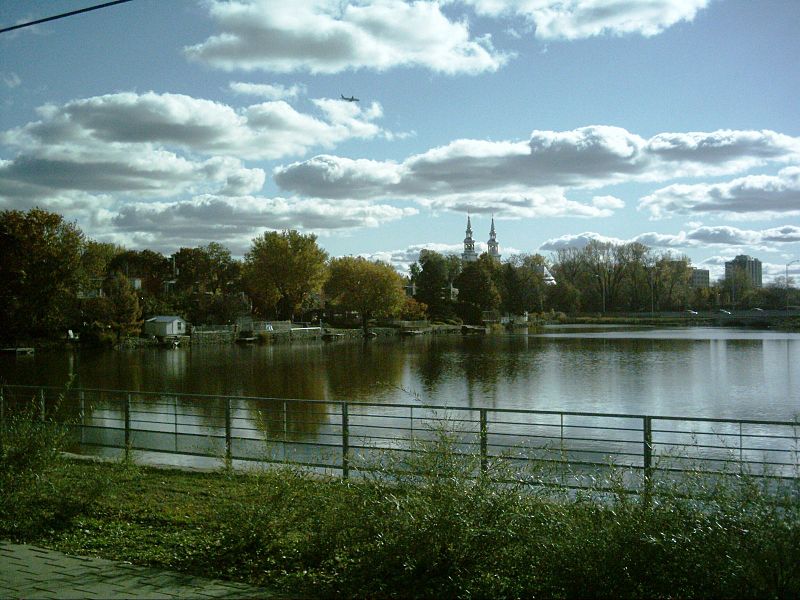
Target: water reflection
x=366 y=371
x=697 y=372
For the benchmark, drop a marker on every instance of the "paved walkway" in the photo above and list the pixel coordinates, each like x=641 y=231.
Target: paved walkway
x=33 y=572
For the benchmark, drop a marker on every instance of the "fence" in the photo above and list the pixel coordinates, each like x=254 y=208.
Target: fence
x=339 y=436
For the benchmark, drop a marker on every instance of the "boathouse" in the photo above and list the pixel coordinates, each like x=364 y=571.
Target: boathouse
x=163 y=326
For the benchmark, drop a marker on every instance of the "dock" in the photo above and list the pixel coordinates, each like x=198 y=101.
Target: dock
x=17 y=351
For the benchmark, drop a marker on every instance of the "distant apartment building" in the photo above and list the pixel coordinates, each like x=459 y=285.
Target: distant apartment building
x=700 y=278
x=748 y=265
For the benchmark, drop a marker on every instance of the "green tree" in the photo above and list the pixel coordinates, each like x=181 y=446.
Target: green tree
x=523 y=288
x=283 y=270
x=433 y=282
x=477 y=291
x=564 y=297
x=372 y=288
x=40 y=256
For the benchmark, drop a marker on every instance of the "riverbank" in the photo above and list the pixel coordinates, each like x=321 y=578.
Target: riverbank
x=432 y=530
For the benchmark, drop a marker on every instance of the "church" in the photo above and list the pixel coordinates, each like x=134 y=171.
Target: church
x=469 y=254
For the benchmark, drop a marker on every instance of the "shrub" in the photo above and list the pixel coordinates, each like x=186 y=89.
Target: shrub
x=431 y=523
x=35 y=493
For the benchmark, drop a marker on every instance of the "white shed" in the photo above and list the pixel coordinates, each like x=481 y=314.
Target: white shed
x=165 y=326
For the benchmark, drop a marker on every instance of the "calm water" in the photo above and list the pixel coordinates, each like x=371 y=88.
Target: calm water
x=699 y=372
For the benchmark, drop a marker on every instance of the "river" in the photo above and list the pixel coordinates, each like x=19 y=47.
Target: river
x=692 y=372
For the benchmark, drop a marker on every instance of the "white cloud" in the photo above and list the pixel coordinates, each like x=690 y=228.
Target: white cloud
x=579 y=240
x=54 y=172
x=10 y=79
x=537 y=204
x=753 y=196
x=575 y=19
x=151 y=143
x=527 y=178
x=607 y=202
x=231 y=220
x=700 y=237
x=267 y=130
x=266 y=90
x=327 y=36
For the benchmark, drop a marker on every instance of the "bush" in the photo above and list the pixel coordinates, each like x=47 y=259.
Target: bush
x=429 y=524
x=36 y=495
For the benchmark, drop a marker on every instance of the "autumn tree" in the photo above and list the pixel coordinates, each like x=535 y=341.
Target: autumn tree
x=40 y=257
x=282 y=270
x=153 y=268
x=124 y=312
x=373 y=288
x=208 y=284
x=96 y=257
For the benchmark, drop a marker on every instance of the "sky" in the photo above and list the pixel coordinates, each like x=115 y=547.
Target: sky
x=166 y=124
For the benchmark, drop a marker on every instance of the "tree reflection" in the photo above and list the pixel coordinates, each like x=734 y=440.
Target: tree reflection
x=361 y=370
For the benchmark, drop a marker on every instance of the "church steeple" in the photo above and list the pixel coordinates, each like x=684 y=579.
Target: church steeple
x=469 y=254
x=494 y=247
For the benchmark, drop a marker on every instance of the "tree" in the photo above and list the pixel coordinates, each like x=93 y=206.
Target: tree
x=412 y=310
x=283 y=270
x=371 y=288
x=95 y=260
x=151 y=267
x=40 y=257
x=207 y=268
x=477 y=291
x=672 y=278
x=432 y=282
x=523 y=288
x=124 y=312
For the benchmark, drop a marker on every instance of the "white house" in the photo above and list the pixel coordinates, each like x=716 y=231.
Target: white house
x=163 y=326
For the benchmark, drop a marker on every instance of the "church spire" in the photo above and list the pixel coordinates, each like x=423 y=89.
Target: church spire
x=494 y=247
x=469 y=254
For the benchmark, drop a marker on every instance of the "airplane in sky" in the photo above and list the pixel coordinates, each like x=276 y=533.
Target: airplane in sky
x=350 y=99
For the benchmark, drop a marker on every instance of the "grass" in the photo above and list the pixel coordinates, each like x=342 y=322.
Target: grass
x=431 y=529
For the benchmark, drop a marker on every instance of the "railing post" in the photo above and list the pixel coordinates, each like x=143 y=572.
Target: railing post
x=175 y=418
x=647 y=455
x=484 y=448
x=741 y=463
x=82 y=412
x=285 y=427
x=345 y=442
x=228 y=446
x=2 y=406
x=41 y=404
x=127 y=426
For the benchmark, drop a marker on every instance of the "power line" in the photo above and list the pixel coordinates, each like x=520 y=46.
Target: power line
x=61 y=16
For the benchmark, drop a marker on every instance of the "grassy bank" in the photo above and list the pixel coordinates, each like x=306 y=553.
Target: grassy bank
x=431 y=530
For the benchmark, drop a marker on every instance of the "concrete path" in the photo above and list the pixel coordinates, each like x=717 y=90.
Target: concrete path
x=33 y=572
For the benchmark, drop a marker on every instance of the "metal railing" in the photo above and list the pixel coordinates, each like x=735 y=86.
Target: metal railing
x=341 y=436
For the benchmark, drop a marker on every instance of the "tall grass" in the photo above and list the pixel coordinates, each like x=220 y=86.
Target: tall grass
x=35 y=497
x=430 y=523
x=439 y=526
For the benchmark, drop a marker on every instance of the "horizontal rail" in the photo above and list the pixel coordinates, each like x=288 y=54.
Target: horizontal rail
x=336 y=434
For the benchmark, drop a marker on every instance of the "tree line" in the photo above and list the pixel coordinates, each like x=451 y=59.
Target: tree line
x=55 y=279
x=601 y=278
